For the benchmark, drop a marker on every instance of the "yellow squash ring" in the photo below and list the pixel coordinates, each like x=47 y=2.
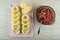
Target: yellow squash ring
x=25 y=26
x=15 y=9
x=25 y=18
x=16 y=19
x=15 y=31
x=15 y=14
x=25 y=22
x=25 y=31
x=16 y=22
x=16 y=27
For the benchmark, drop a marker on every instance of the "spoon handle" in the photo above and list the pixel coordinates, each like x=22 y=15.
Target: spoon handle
x=38 y=30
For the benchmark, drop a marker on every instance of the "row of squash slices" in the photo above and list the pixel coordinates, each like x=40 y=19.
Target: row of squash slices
x=20 y=18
